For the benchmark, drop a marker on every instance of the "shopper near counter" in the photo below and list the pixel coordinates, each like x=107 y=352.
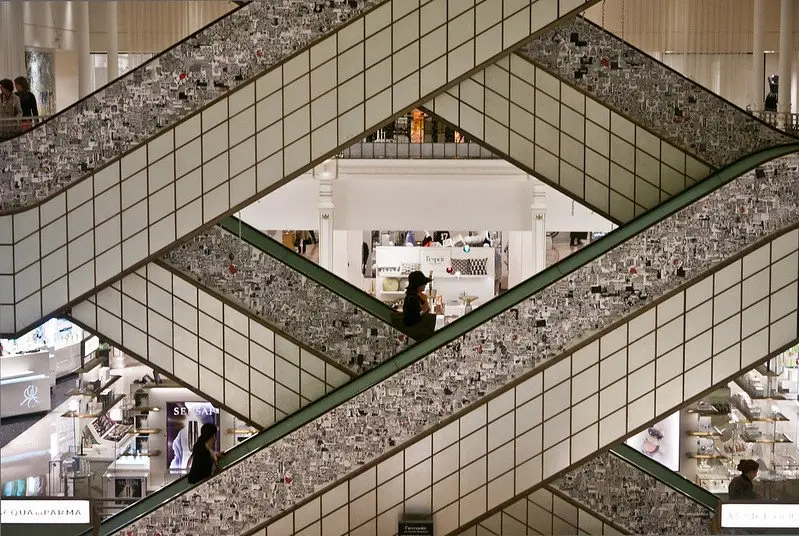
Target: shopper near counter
x=742 y=487
x=27 y=99
x=417 y=320
x=203 y=457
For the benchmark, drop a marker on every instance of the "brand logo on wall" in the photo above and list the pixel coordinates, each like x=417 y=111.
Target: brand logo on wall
x=31 y=395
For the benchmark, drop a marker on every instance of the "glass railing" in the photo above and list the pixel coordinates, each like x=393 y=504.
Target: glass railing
x=495 y=324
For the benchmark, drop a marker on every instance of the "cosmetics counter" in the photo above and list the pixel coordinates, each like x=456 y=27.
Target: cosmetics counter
x=30 y=365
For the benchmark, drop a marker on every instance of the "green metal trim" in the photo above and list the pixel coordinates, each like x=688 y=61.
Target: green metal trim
x=665 y=475
x=457 y=329
x=309 y=269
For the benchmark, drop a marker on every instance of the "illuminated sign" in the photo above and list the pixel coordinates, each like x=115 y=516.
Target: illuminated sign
x=759 y=516
x=44 y=512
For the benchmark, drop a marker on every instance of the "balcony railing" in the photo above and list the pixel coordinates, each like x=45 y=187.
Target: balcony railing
x=789 y=122
x=428 y=150
x=11 y=126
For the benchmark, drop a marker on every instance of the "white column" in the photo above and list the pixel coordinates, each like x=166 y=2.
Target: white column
x=84 y=52
x=12 y=40
x=326 y=173
x=758 y=59
x=112 y=40
x=539 y=210
x=786 y=55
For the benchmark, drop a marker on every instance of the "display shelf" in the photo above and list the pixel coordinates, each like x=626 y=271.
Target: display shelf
x=162 y=385
x=699 y=433
x=96 y=392
x=150 y=454
x=751 y=393
x=706 y=455
x=748 y=417
x=240 y=431
x=707 y=412
x=116 y=401
x=146 y=431
x=775 y=439
x=142 y=410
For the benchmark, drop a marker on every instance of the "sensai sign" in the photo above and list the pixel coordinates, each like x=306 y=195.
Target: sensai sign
x=759 y=516
x=47 y=512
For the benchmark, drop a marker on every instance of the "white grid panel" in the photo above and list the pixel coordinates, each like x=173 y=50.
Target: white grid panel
x=551 y=419
x=542 y=512
x=568 y=139
x=246 y=143
x=212 y=348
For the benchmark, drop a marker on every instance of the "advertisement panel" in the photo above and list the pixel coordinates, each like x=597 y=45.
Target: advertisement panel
x=183 y=423
x=661 y=442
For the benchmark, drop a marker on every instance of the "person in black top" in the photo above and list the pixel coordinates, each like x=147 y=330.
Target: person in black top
x=415 y=304
x=203 y=457
x=26 y=99
x=741 y=487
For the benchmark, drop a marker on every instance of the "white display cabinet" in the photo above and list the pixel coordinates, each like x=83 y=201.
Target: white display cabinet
x=456 y=273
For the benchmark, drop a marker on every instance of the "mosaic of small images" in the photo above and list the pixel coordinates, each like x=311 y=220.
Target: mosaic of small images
x=640 y=87
x=630 y=276
x=162 y=92
x=288 y=300
x=633 y=500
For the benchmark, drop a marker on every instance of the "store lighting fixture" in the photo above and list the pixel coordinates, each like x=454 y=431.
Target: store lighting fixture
x=74 y=405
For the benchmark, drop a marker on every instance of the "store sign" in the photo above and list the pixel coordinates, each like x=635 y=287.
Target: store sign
x=416 y=526
x=67 y=512
x=183 y=423
x=437 y=260
x=759 y=516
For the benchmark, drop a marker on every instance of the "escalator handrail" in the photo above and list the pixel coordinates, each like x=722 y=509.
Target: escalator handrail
x=665 y=475
x=309 y=269
x=457 y=328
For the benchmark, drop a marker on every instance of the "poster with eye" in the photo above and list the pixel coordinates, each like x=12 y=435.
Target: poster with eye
x=183 y=423
x=661 y=442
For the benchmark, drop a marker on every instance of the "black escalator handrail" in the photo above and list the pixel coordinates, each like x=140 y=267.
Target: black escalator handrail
x=457 y=329
x=665 y=475
x=309 y=269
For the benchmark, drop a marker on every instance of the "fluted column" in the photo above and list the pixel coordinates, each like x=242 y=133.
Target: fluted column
x=84 y=51
x=539 y=212
x=786 y=55
x=758 y=59
x=12 y=40
x=326 y=173
x=112 y=40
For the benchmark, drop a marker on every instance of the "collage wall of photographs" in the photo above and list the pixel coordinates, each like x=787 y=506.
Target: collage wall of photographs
x=286 y=299
x=635 y=501
x=163 y=91
x=638 y=86
x=540 y=328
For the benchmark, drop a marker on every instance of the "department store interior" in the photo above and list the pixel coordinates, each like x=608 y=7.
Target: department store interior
x=399 y=267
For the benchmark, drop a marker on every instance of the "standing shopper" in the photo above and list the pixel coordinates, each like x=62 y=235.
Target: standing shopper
x=10 y=108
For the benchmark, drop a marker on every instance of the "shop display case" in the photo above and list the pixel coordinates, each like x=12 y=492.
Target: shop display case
x=756 y=417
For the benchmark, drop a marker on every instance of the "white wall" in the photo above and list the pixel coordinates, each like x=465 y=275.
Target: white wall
x=420 y=194
x=66 y=79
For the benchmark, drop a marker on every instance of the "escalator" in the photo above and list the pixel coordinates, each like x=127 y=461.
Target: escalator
x=92 y=199
x=618 y=492
x=438 y=395
x=588 y=113
x=261 y=334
